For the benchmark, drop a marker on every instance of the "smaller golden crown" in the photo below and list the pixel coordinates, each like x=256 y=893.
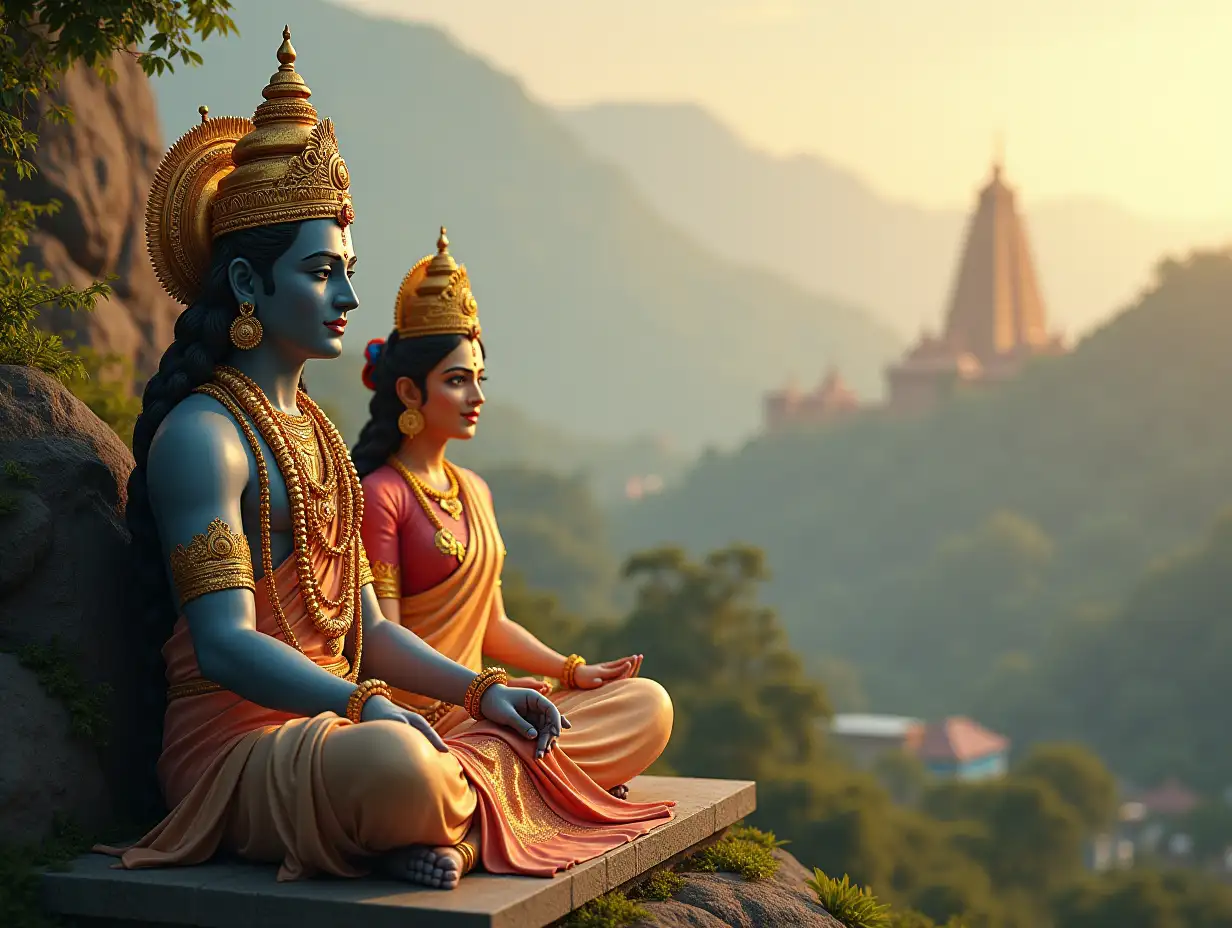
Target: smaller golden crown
x=229 y=174
x=435 y=298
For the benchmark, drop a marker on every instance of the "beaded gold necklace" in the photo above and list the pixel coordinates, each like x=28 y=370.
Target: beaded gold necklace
x=449 y=500
x=245 y=400
x=446 y=542
x=306 y=438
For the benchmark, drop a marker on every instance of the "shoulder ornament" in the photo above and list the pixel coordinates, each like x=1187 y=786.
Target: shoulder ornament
x=217 y=560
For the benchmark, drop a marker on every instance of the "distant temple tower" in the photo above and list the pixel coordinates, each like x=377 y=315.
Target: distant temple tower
x=996 y=321
x=996 y=317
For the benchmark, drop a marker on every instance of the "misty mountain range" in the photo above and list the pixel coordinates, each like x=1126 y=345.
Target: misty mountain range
x=826 y=229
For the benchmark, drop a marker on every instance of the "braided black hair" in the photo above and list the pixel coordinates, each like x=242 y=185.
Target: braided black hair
x=202 y=342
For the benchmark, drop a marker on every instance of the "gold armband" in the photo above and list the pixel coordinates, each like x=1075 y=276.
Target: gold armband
x=386 y=580
x=362 y=693
x=480 y=685
x=217 y=560
x=568 y=675
x=365 y=569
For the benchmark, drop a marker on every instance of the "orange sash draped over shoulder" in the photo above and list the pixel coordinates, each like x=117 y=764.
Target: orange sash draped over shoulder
x=538 y=815
x=453 y=616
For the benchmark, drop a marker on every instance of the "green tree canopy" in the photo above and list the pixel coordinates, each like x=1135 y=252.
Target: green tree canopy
x=1077 y=776
x=744 y=703
x=40 y=40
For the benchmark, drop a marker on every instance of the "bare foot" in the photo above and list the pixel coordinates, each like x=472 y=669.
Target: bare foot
x=620 y=792
x=435 y=867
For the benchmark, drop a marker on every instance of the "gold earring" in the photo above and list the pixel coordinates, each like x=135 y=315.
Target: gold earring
x=246 y=330
x=411 y=422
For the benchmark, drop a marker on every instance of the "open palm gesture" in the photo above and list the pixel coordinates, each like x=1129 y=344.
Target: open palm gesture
x=592 y=676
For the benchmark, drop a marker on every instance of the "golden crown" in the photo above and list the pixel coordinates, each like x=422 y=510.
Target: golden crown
x=435 y=298
x=230 y=173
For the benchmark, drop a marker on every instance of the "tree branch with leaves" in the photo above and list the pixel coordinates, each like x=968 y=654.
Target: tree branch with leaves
x=40 y=40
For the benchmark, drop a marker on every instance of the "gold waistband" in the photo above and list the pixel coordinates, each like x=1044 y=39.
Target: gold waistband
x=199 y=686
x=432 y=714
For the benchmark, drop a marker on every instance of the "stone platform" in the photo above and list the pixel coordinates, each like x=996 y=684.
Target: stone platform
x=236 y=895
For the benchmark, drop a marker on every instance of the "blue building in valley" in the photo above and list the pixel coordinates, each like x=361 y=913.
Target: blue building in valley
x=961 y=749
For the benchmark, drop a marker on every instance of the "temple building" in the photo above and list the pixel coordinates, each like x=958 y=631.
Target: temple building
x=832 y=400
x=996 y=318
x=995 y=321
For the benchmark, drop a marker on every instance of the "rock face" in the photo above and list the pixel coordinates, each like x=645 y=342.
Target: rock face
x=100 y=168
x=717 y=900
x=64 y=573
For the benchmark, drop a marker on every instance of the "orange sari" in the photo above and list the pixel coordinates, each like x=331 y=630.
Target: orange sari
x=322 y=795
x=618 y=730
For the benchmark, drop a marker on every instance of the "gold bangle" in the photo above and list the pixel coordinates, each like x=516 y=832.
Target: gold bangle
x=568 y=676
x=481 y=684
x=217 y=560
x=362 y=693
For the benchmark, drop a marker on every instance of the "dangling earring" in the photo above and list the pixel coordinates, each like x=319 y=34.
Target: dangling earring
x=411 y=422
x=246 y=330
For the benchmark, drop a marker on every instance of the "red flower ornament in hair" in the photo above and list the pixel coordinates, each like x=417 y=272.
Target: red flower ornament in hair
x=372 y=352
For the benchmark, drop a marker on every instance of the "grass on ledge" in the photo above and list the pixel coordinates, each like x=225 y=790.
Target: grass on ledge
x=744 y=850
x=661 y=886
x=611 y=910
x=852 y=905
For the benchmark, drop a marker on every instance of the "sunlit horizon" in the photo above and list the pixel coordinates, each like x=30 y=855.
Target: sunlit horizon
x=1114 y=101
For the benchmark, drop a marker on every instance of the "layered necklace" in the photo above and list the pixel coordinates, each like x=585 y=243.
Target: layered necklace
x=319 y=476
x=450 y=501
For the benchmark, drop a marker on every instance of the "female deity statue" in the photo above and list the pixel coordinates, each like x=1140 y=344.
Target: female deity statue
x=279 y=739
x=435 y=548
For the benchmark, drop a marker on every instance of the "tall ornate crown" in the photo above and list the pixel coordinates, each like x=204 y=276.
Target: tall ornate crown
x=435 y=298
x=229 y=174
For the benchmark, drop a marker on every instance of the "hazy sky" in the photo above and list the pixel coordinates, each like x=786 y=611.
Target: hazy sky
x=1128 y=100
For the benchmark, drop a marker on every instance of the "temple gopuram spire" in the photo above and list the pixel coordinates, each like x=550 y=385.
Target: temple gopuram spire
x=995 y=306
x=996 y=317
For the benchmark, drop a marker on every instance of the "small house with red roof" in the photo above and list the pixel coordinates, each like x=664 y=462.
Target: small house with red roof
x=959 y=748
x=1171 y=799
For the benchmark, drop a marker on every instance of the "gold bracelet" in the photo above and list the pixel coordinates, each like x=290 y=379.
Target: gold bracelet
x=480 y=685
x=362 y=693
x=568 y=676
x=217 y=560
